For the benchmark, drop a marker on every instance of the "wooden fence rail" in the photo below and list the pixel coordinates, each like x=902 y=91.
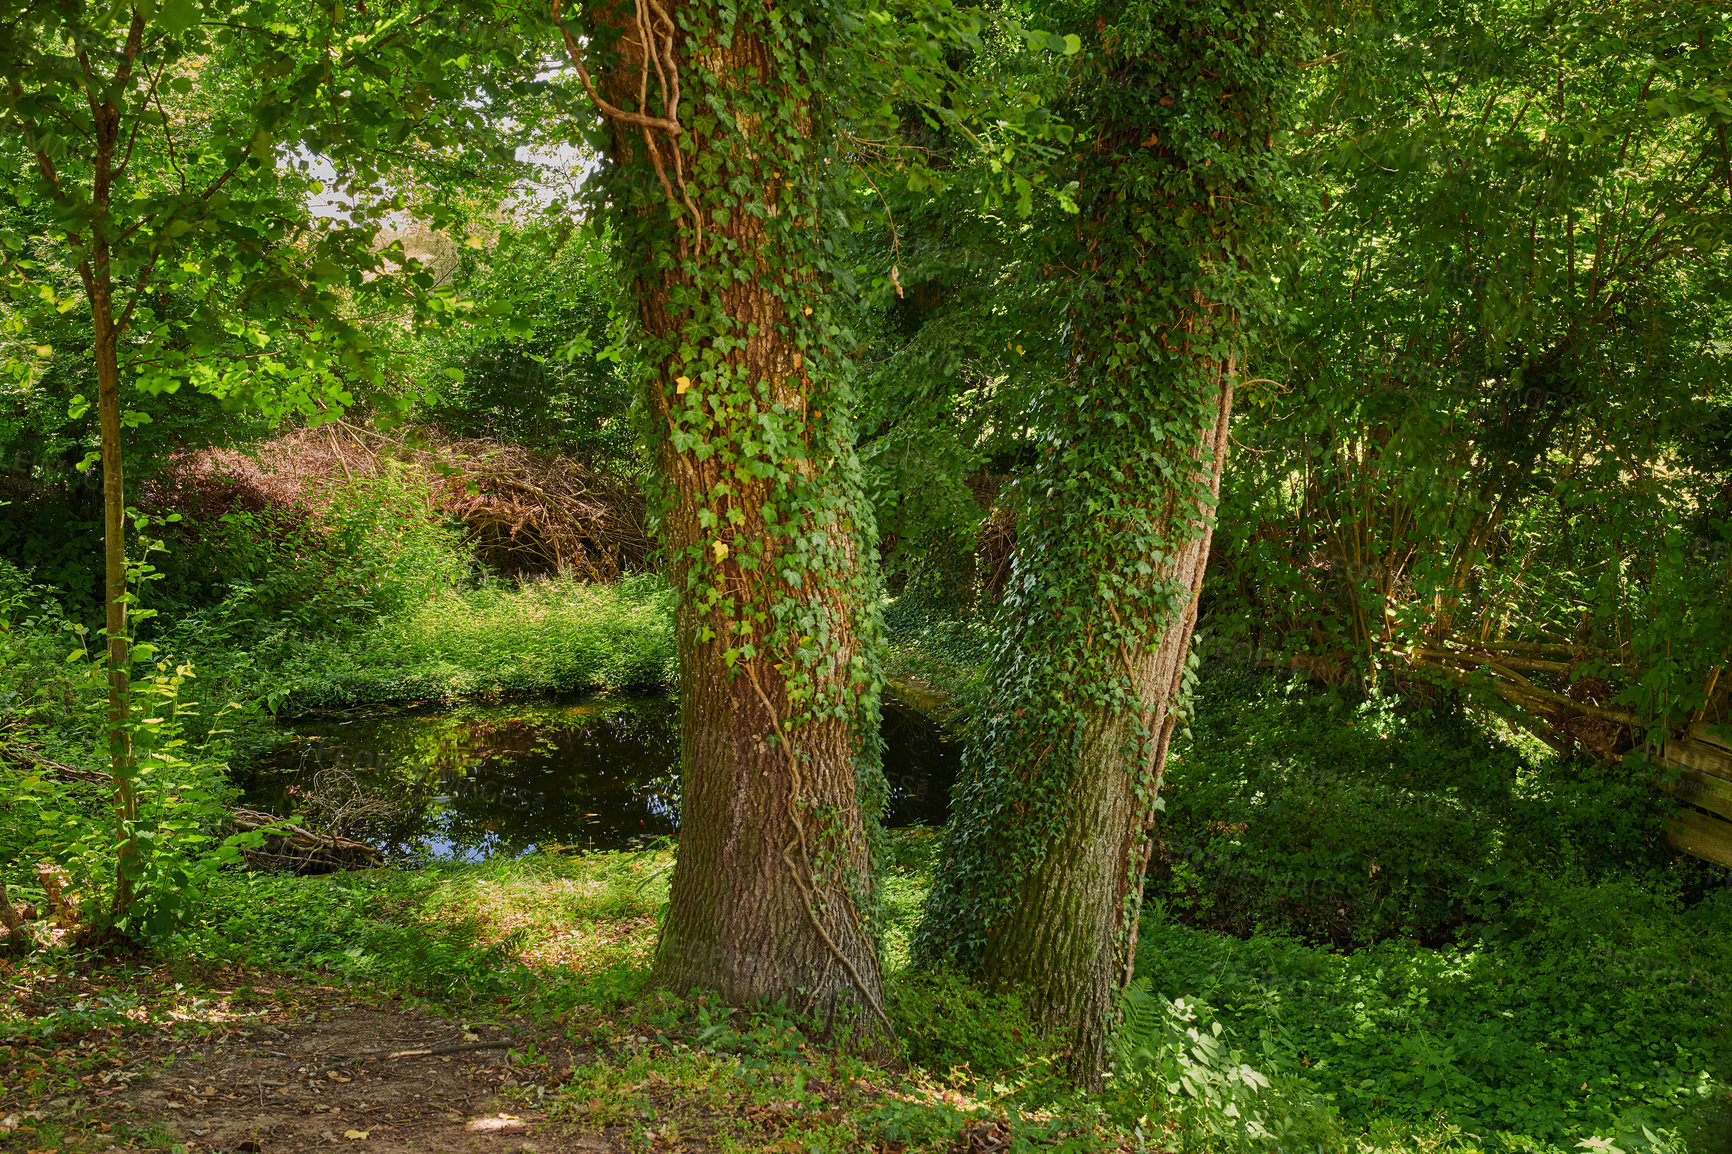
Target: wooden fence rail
x=1697 y=769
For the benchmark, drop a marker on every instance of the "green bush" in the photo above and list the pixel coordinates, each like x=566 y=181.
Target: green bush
x=1602 y=1020
x=1178 y=1063
x=370 y=550
x=371 y=600
x=45 y=699
x=1349 y=823
x=64 y=819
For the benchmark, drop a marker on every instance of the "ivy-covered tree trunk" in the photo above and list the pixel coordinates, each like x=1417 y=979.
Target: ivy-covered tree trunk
x=1050 y=830
x=718 y=181
x=1072 y=932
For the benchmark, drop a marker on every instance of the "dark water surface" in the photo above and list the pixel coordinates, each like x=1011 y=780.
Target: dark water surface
x=505 y=777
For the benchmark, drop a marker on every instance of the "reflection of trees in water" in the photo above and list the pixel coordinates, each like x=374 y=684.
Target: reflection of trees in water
x=335 y=773
x=504 y=777
x=500 y=778
x=603 y=778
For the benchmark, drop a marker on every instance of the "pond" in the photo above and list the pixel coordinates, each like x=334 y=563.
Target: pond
x=507 y=777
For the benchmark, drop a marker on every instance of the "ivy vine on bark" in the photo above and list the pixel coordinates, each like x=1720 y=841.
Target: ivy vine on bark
x=1181 y=187
x=721 y=179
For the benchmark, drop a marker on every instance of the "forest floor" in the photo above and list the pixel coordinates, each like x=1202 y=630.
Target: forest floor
x=243 y=1061
x=529 y=975
x=288 y=1021
x=238 y=1060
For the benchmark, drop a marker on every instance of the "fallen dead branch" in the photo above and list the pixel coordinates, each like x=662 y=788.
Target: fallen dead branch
x=22 y=755
x=290 y=846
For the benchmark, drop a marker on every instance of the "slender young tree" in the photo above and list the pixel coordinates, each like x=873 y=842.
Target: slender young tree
x=148 y=140
x=719 y=183
x=1166 y=279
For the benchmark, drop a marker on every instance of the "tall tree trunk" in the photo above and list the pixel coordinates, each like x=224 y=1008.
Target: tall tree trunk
x=1049 y=836
x=1073 y=936
x=719 y=157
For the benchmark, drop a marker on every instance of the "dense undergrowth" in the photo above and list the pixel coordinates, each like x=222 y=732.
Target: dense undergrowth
x=1431 y=923
x=1407 y=920
x=1347 y=822
x=1370 y=927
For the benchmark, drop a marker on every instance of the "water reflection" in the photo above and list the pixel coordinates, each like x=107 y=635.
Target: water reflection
x=502 y=778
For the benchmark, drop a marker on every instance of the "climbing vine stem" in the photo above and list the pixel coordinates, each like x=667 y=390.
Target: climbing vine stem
x=748 y=395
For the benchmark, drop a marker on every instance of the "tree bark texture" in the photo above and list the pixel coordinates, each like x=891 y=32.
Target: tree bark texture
x=717 y=176
x=1073 y=939
x=1043 y=860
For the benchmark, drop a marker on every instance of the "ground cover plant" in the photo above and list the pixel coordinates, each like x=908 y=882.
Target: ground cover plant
x=1579 y=1008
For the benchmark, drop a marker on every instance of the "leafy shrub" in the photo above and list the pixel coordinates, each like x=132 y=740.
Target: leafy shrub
x=1178 y=1064
x=363 y=549
x=40 y=690
x=53 y=817
x=1350 y=823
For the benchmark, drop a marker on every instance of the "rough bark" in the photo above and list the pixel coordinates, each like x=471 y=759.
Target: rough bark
x=1072 y=941
x=770 y=888
x=772 y=853
x=1158 y=276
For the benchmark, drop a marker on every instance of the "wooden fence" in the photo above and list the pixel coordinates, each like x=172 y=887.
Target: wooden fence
x=1697 y=769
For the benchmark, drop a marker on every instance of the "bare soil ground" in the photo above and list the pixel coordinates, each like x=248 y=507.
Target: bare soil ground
x=289 y=1069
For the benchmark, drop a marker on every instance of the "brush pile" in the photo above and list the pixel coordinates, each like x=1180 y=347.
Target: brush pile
x=525 y=513
x=301 y=850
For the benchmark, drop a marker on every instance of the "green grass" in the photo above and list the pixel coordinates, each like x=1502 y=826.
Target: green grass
x=1594 y=1028
x=553 y=636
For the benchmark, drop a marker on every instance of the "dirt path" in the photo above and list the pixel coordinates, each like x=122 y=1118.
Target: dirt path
x=320 y=1077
